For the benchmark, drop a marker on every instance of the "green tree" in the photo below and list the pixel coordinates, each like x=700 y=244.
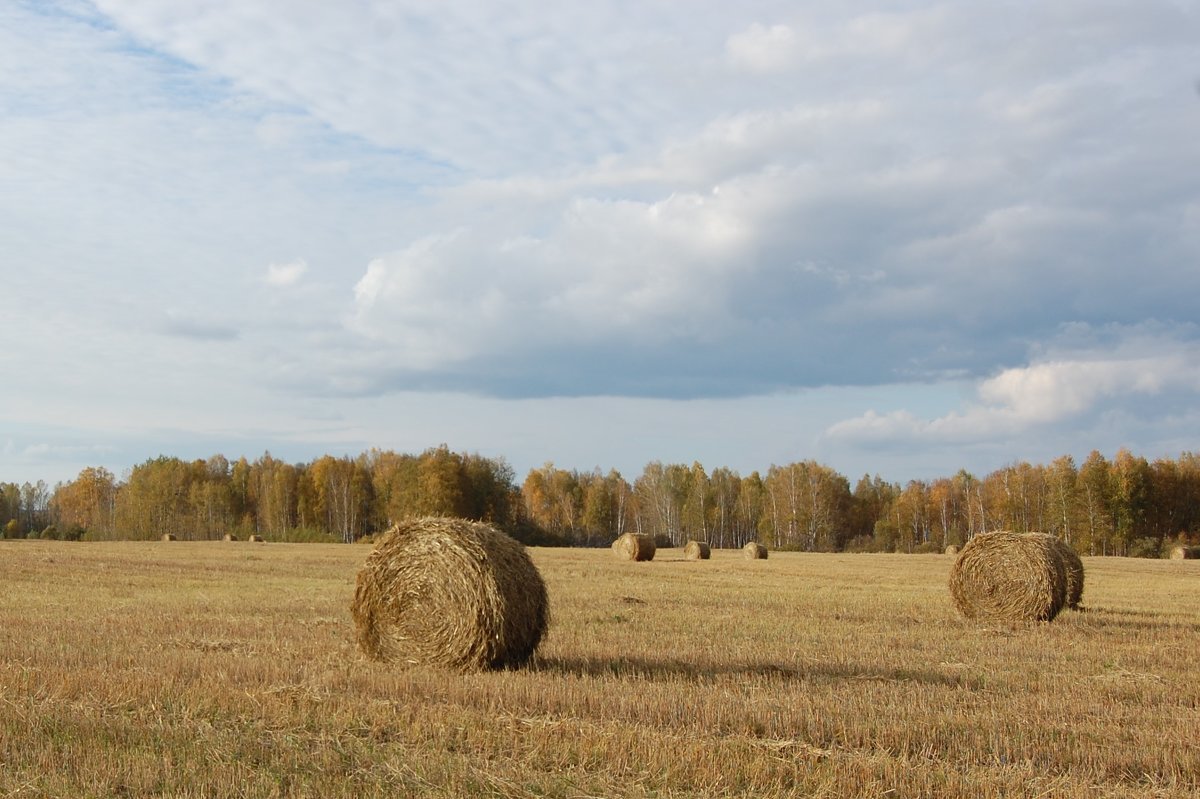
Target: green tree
x=154 y=500
x=1095 y=501
x=1131 y=494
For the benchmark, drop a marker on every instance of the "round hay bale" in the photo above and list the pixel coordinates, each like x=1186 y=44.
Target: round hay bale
x=1003 y=576
x=1183 y=552
x=754 y=551
x=697 y=550
x=452 y=593
x=952 y=550
x=230 y=537
x=1072 y=569
x=168 y=537
x=633 y=546
x=257 y=538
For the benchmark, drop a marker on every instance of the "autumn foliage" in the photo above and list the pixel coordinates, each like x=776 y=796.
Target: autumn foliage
x=1122 y=506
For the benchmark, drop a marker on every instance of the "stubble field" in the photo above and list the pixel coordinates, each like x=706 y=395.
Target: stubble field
x=228 y=669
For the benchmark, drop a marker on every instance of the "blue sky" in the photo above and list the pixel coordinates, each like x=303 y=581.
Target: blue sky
x=898 y=237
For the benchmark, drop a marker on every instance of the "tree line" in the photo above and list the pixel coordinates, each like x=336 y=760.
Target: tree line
x=1122 y=506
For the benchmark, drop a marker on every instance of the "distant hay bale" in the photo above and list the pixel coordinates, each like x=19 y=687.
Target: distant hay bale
x=1003 y=576
x=1183 y=552
x=952 y=550
x=633 y=546
x=230 y=537
x=754 y=551
x=697 y=550
x=168 y=537
x=452 y=593
x=1072 y=569
x=258 y=538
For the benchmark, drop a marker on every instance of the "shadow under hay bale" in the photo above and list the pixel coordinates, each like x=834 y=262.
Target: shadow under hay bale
x=633 y=546
x=697 y=550
x=452 y=593
x=754 y=551
x=1072 y=569
x=168 y=537
x=1003 y=576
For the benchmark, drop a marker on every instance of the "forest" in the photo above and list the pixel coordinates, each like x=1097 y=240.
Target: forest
x=1119 y=506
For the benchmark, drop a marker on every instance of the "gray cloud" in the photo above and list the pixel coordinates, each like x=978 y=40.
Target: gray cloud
x=183 y=326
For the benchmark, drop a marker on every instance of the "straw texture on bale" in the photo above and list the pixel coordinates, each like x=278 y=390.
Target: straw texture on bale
x=168 y=537
x=1182 y=552
x=633 y=546
x=1003 y=576
x=1072 y=569
x=697 y=550
x=952 y=550
x=451 y=593
x=754 y=551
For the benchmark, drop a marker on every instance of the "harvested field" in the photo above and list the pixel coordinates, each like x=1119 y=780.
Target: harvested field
x=203 y=669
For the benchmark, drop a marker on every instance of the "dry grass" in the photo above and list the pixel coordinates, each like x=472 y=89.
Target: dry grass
x=452 y=593
x=202 y=670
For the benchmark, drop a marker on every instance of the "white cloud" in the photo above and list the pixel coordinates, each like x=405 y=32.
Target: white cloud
x=915 y=35
x=604 y=270
x=1061 y=389
x=286 y=274
x=763 y=48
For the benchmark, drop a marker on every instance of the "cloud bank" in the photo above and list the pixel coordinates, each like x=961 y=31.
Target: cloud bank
x=350 y=204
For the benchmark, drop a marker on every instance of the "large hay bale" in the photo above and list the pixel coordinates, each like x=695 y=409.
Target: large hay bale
x=1072 y=569
x=257 y=538
x=1183 y=552
x=633 y=546
x=952 y=550
x=1003 y=576
x=450 y=592
x=754 y=551
x=230 y=537
x=168 y=537
x=697 y=550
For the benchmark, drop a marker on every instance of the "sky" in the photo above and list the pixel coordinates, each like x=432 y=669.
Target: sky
x=898 y=238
